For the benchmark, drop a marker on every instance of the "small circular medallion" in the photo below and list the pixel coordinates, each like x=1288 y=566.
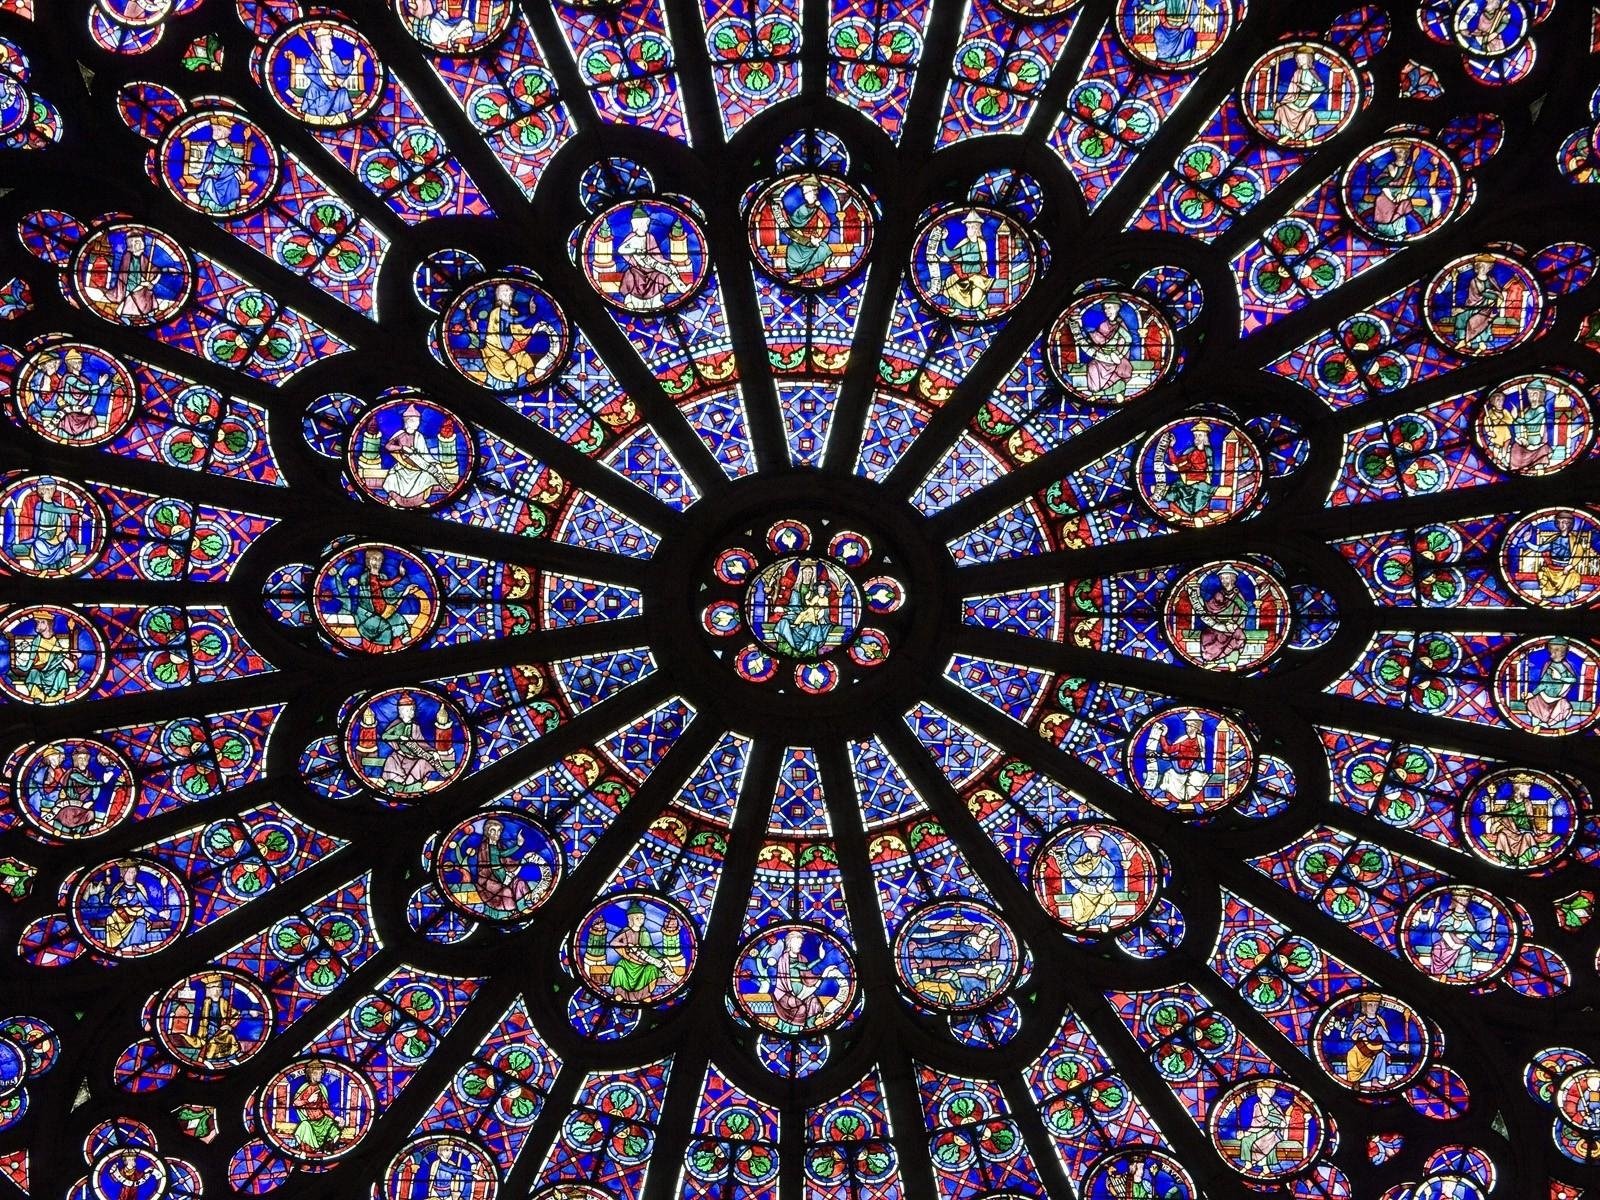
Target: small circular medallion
x=956 y=956
x=213 y=1020
x=645 y=256
x=1227 y=616
x=129 y=1172
x=408 y=742
x=1095 y=878
x=1173 y=36
x=1484 y=304
x=130 y=907
x=1191 y=760
x=1458 y=935
x=1548 y=686
x=219 y=163
x=1520 y=819
x=1489 y=28
x=1551 y=558
x=75 y=788
x=441 y=1167
x=316 y=1109
x=1267 y=1129
x=1110 y=347
x=794 y=979
x=49 y=655
x=411 y=453
x=1199 y=471
x=49 y=527
x=376 y=598
x=1534 y=424
x=810 y=231
x=455 y=26
x=1301 y=94
x=76 y=395
x=505 y=334
x=131 y=274
x=1371 y=1042
x=324 y=73
x=635 y=948
x=1401 y=189
x=1139 y=1172
x=498 y=865
x=973 y=264
x=1577 y=1098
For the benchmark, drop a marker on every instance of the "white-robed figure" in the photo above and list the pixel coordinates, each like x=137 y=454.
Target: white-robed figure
x=421 y=471
x=1297 y=112
x=1178 y=769
x=433 y=28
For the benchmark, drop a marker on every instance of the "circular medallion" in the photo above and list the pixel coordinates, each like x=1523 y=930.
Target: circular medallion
x=49 y=527
x=1191 y=760
x=1110 y=347
x=1548 y=686
x=75 y=788
x=802 y=608
x=956 y=956
x=316 y=1109
x=1138 y=1173
x=440 y=1167
x=1037 y=10
x=455 y=26
x=1173 y=36
x=411 y=453
x=1095 y=878
x=1577 y=1098
x=1520 y=819
x=498 y=865
x=49 y=655
x=1227 y=616
x=408 y=742
x=219 y=163
x=645 y=256
x=213 y=1020
x=1488 y=28
x=1484 y=304
x=973 y=264
x=129 y=1173
x=788 y=537
x=1300 y=94
x=13 y=1068
x=76 y=395
x=810 y=231
x=323 y=73
x=1551 y=558
x=1371 y=1042
x=505 y=334
x=137 y=14
x=130 y=907
x=1401 y=189
x=1534 y=424
x=131 y=274
x=15 y=105
x=376 y=599
x=1199 y=471
x=794 y=979
x=635 y=948
x=1458 y=935
x=1267 y=1129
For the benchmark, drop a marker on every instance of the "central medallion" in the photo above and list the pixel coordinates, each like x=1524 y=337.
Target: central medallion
x=800 y=601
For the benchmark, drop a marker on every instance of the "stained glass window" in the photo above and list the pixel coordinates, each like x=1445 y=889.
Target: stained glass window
x=799 y=599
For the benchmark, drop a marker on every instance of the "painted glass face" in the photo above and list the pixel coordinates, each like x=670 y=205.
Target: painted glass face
x=868 y=600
